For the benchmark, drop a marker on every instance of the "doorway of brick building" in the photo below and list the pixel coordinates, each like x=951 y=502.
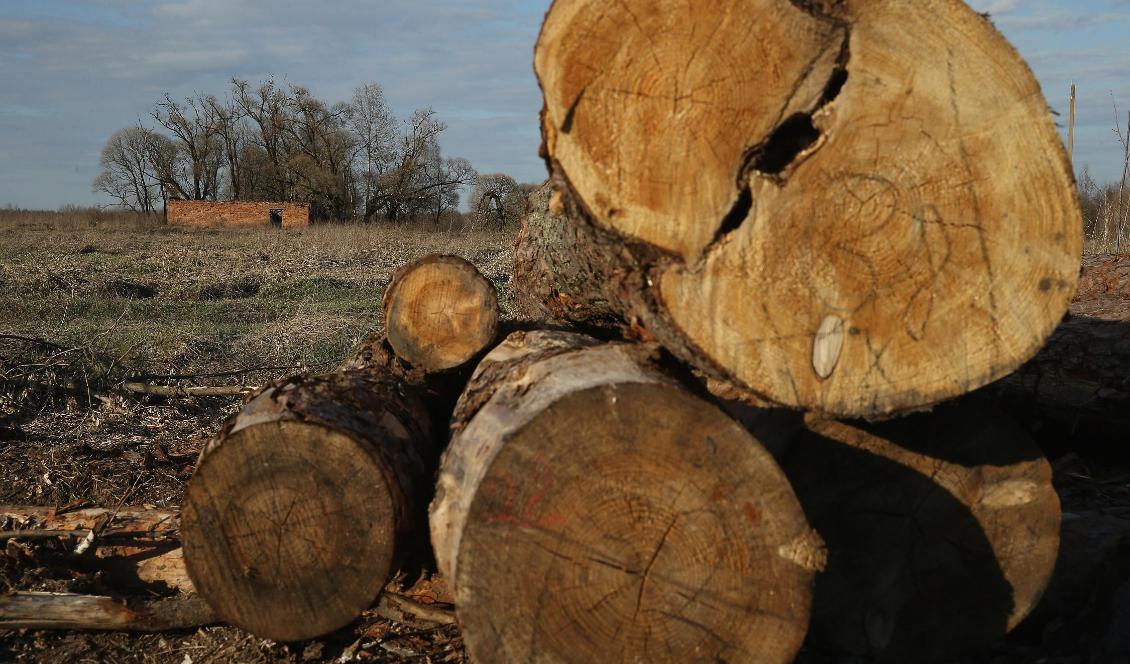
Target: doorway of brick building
x=276 y=218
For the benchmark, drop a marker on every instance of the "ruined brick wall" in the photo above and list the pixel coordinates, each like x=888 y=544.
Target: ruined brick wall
x=236 y=213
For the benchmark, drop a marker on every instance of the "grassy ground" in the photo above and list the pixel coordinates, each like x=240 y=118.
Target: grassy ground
x=168 y=299
x=123 y=298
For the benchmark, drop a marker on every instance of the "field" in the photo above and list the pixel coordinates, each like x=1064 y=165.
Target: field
x=161 y=302
x=90 y=305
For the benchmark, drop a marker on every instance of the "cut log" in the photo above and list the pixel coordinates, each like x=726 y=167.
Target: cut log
x=590 y=510
x=36 y=610
x=823 y=204
x=302 y=507
x=440 y=313
x=942 y=530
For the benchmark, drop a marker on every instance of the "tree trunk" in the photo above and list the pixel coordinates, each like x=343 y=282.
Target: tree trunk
x=440 y=313
x=818 y=201
x=307 y=501
x=561 y=268
x=942 y=530
x=590 y=510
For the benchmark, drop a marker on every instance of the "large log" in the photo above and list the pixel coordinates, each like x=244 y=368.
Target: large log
x=308 y=500
x=440 y=313
x=942 y=530
x=858 y=208
x=588 y=509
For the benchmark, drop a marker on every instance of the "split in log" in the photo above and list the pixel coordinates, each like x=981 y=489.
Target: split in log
x=440 y=313
x=307 y=501
x=942 y=530
x=590 y=510
x=36 y=610
x=857 y=208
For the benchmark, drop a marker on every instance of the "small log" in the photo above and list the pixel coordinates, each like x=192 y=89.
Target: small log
x=308 y=500
x=440 y=313
x=942 y=530
x=589 y=509
x=36 y=610
x=810 y=199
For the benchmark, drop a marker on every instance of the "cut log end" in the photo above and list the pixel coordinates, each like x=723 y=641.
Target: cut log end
x=942 y=531
x=289 y=529
x=779 y=163
x=440 y=313
x=619 y=520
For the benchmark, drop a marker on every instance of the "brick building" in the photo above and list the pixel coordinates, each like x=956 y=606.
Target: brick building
x=238 y=213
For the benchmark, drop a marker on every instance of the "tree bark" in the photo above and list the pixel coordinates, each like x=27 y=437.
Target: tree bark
x=809 y=198
x=942 y=530
x=440 y=313
x=308 y=500
x=588 y=509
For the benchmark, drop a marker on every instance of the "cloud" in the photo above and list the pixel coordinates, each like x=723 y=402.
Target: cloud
x=73 y=72
x=102 y=65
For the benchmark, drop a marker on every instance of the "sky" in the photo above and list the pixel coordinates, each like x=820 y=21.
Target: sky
x=72 y=72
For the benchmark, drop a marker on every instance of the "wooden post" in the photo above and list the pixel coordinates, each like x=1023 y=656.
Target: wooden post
x=1071 y=129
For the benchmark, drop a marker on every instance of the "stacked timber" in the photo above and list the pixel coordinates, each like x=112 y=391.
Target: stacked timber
x=796 y=227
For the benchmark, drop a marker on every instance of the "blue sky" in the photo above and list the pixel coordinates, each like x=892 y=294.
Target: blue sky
x=71 y=72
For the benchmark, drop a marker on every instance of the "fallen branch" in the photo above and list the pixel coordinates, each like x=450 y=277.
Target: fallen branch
x=39 y=610
x=196 y=391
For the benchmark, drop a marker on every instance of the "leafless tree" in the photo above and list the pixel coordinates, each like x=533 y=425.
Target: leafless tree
x=193 y=128
x=374 y=126
x=497 y=199
x=126 y=172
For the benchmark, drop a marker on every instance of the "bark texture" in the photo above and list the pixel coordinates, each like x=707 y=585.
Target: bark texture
x=302 y=507
x=588 y=509
x=814 y=196
x=942 y=530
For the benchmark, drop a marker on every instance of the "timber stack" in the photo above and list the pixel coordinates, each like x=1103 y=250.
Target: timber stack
x=781 y=244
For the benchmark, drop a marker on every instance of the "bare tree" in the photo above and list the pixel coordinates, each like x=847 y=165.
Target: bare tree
x=193 y=128
x=373 y=126
x=231 y=130
x=126 y=173
x=497 y=199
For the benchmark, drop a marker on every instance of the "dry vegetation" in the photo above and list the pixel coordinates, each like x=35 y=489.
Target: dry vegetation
x=122 y=298
x=119 y=298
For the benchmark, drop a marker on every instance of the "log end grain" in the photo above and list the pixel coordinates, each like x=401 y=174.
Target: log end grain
x=295 y=552
x=440 y=313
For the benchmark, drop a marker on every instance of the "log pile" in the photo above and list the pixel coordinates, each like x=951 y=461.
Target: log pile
x=780 y=243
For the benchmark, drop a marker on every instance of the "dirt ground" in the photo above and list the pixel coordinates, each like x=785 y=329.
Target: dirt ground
x=85 y=309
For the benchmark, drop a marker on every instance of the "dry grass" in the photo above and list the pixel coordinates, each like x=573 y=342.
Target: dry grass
x=196 y=300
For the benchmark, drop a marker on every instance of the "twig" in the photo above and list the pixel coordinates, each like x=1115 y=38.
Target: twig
x=173 y=391
x=222 y=374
